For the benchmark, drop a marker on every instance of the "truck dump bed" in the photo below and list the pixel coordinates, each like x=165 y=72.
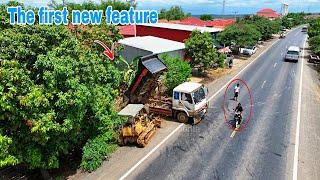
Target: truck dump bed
x=149 y=70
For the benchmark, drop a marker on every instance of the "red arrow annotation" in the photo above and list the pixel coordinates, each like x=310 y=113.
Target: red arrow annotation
x=107 y=52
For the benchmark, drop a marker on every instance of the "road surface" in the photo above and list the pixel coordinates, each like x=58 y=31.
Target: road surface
x=265 y=149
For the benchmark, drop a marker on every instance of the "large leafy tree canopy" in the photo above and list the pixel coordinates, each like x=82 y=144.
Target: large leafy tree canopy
x=174 y=13
x=56 y=92
x=240 y=34
x=200 y=47
x=265 y=26
x=314 y=29
x=293 y=19
x=314 y=34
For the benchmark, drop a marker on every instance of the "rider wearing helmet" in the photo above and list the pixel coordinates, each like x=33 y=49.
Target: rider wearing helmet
x=238 y=113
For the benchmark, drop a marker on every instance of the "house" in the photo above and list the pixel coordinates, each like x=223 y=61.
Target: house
x=174 y=32
x=268 y=13
x=147 y=45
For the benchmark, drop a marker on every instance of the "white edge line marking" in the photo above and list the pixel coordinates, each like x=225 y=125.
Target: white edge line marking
x=153 y=150
x=175 y=130
x=296 y=146
x=242 y=71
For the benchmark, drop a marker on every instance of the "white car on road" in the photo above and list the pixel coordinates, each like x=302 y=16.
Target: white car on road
x=292 y=54
x=250 y=50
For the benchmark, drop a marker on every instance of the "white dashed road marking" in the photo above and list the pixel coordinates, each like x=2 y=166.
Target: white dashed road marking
x=264 y=82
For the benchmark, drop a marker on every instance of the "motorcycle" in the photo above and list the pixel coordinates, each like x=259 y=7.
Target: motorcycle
x=237 y=119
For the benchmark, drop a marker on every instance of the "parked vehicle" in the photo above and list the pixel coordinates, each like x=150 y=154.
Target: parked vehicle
x=304 y=29
x=140 y=126
x=292 y=54
x=250 y=50
x=188 y=104
x=314 y=59
x=282 y=34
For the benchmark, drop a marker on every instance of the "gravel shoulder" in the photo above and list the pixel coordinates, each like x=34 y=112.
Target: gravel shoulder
x=309 y=147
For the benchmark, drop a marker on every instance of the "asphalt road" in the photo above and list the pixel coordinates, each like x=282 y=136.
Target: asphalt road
x=263 y=150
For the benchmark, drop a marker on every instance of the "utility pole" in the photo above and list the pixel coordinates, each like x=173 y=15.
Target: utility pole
x=223 y=7
x=235 y=15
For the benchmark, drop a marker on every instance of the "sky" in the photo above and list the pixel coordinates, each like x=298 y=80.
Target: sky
x=197 y=7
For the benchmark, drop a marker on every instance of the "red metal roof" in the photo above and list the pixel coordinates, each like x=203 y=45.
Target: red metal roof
x=220 y=23
x=127 y=30
x=163 y=21
x=193 y=21
x=266 y=10
x=268 y=13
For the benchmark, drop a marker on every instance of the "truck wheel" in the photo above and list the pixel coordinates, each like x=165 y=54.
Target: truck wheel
x=182 y=117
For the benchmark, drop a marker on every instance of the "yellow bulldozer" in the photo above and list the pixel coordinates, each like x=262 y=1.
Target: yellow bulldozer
x=140 y=126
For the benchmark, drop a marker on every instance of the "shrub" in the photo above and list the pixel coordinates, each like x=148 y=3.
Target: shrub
x=221 y=59
x=97 y=150
x=178 y=72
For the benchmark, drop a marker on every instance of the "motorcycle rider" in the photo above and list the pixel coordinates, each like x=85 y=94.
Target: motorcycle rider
x=238 y=113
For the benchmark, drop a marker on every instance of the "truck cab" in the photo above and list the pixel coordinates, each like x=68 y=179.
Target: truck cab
x=189 y=100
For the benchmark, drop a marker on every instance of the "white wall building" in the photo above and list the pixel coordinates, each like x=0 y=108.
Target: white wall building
x=146 y=45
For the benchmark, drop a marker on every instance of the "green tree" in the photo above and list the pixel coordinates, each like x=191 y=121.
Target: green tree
x=4 y=16
x=293 y=19
x=56 y=93
x=174 y=13
x=314 y=28
x=200 y=47
x=206 y=17
x=240 y=35
x=315 y=44
x=314 y=35
x=265 y=26
x=178 y=71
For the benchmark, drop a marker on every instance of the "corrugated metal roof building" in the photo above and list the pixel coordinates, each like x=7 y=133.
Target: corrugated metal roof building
x=146 y=45
x=175 y=32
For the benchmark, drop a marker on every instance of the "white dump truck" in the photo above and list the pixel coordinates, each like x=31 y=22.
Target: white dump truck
x=188 y=103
